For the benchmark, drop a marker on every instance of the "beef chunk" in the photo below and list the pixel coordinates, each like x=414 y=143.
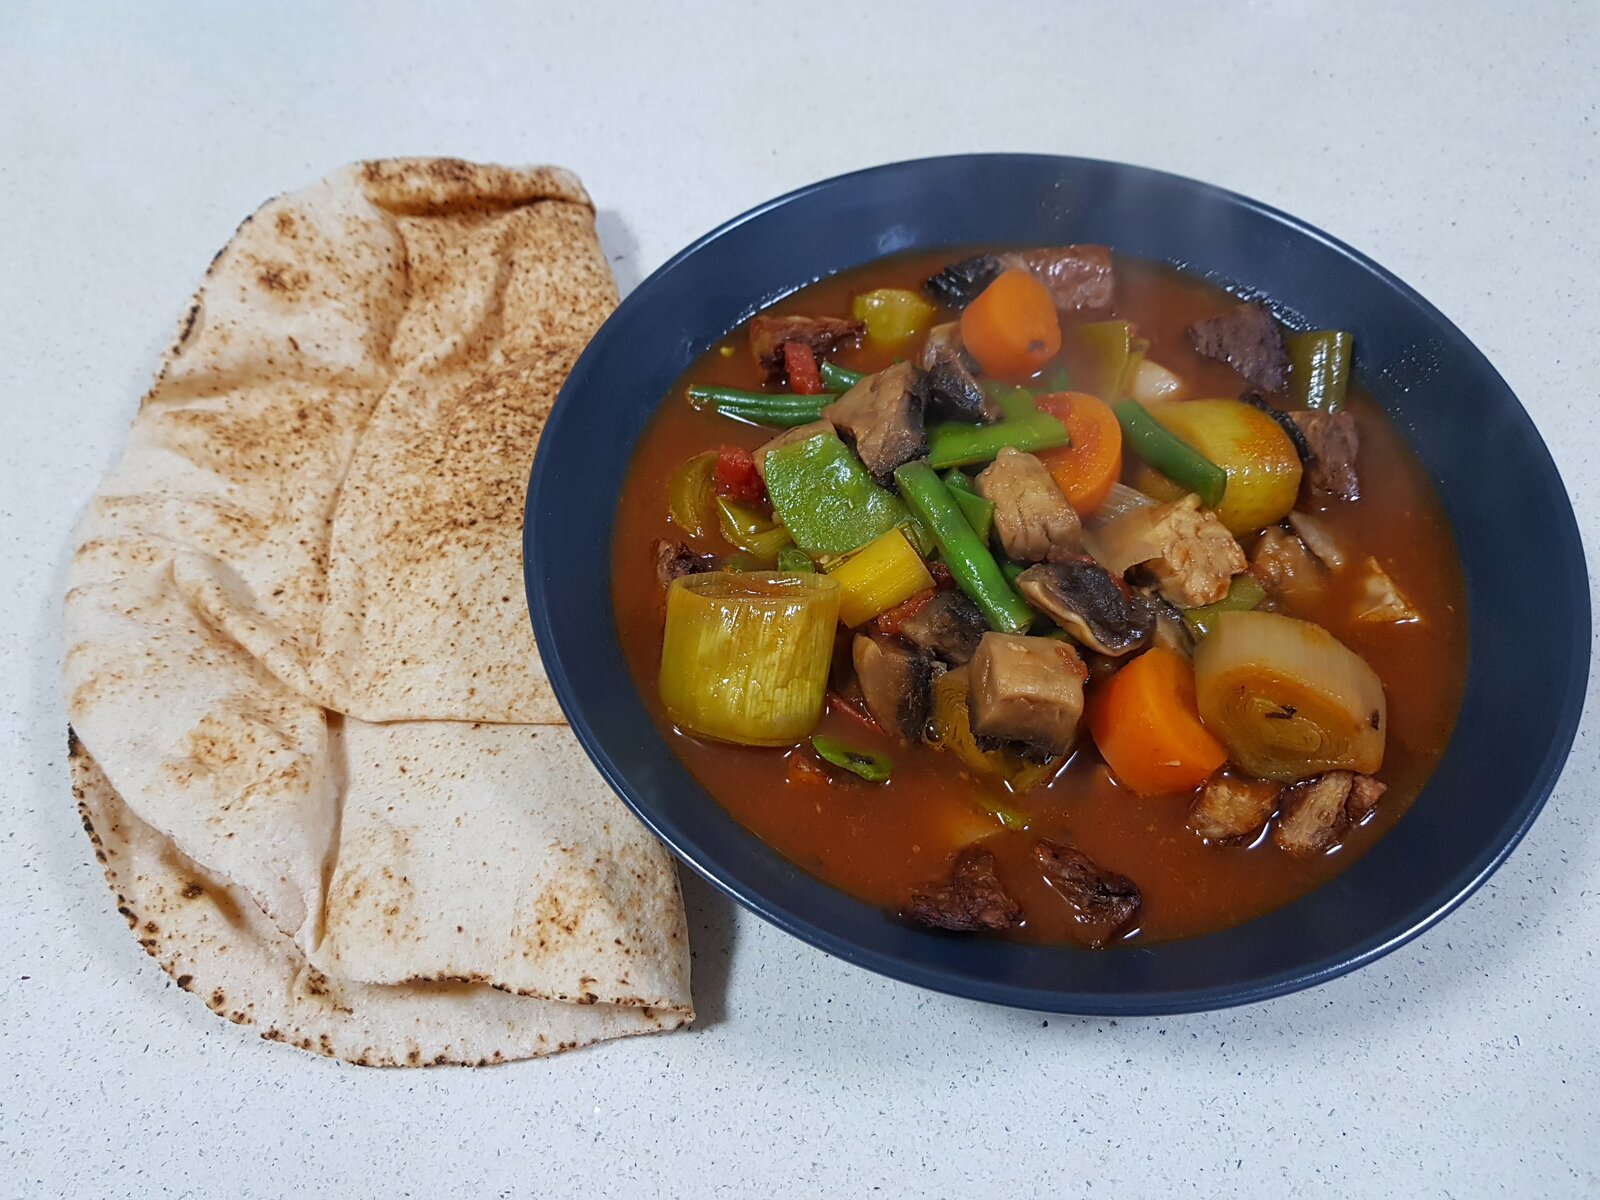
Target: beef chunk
x=1365 y=792
x=896 y=682
x=674 y=560
x=1102 y=901
x=1187 y=551
x=1083 y=598
x=1233 y=807
x=1027 y=690
x=789 y=437
x=1333 y=441
x=882 y=418
x=1076 y=276
x=948 y=626
x=953 y=391
x=823 y=335
x=1247 y=339
x=972 y=899
x=1031 y=514
x=1312 y=814
x=958 y=284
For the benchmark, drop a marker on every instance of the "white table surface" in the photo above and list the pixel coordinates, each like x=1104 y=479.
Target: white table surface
x=1462 y=151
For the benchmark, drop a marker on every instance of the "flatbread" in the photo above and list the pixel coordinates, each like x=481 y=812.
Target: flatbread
x=215 y=943
x=319 y=516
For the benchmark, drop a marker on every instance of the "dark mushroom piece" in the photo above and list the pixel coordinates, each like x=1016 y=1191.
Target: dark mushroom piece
x=972 y=899
x=958 y=284
x=881 y=418
x=1312 y=815
x=948 y=626
x=1082 y=597
x=896 y=682
x=953 y=390
x=674 y=560
x=1103 y=901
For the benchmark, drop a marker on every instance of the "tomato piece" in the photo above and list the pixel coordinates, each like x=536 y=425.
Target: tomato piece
x=805 y=378
x=737 y=477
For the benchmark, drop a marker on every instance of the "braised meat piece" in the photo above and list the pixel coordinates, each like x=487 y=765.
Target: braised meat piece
x=1311 y=816
x=789 y=437
x=896 y=682
x=1076 y=276
x=972 y=899
x=823 y=335
x=1083 y=598
x=953 y=391
x=1188 y=552
x=1103 y=902
x=958 y=284
x=674 y=560
x=1333 y=441
x=1285 y=566
x=1027 y=690
x=1233 y=808
x=1365 y=792
x=1247 y=339
x=881 y=416
x=1031 y=514
x=948 y=626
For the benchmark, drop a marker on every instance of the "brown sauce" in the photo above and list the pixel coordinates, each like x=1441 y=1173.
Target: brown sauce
x=879 y=841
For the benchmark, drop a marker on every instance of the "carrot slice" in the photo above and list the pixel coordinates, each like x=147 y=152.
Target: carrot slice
x=1087 y=468
x=1012 y=328
x=1147 y=727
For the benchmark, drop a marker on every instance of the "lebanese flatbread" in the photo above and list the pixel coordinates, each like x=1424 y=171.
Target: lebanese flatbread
x=319 y=514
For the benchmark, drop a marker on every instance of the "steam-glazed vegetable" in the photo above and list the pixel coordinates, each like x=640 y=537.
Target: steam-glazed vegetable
x=1288 y=698
x=893 y=316
x=950 y=512
x=1263 y=470
x=1147 y=728
x=1011 y=328
x=744 y=658
x=878 y=576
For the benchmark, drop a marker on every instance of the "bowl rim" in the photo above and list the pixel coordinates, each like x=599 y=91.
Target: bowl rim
x=1463 y=882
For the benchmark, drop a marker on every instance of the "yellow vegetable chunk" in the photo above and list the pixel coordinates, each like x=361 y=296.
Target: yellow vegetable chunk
x=893 y=316
x=1287 y=698
x=1263 y=468
x=745 y=657
x=878 y=576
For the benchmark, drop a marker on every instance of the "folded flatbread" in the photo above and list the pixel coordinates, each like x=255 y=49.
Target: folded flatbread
x=298 y=650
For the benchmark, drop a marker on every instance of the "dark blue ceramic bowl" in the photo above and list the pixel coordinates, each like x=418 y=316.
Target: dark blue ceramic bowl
x=1523 y=693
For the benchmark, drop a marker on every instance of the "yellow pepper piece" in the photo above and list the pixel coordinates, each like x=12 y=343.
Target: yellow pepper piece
x=745 y=657
x=878 y=576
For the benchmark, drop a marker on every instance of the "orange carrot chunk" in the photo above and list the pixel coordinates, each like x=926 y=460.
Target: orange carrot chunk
x=1087 y=468
x=1012 y=328
x=1146 y=725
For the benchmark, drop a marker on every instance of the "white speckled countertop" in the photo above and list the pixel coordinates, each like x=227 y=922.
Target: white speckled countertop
x=1462 y=151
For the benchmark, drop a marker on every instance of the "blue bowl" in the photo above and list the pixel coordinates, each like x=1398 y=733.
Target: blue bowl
x=1456 y=412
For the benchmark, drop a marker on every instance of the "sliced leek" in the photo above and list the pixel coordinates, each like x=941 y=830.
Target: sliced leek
x=1287 y=698
x=745 y=658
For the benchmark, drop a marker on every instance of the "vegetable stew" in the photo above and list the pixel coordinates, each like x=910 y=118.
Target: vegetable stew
x=1043 y=593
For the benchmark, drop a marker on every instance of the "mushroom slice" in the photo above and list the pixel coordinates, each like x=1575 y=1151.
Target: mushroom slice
x=1081 y=596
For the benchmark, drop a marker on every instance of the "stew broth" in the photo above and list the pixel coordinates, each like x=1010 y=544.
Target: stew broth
x=879 y=841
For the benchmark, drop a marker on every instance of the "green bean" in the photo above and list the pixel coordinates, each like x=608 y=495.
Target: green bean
x=874 y=768
x=1244 y=593
x=978 y=511
x=838 y=379
x=956 y=444
x=1175 y=459
x=1319 y=368
x=971 y=565
x=762 y=408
